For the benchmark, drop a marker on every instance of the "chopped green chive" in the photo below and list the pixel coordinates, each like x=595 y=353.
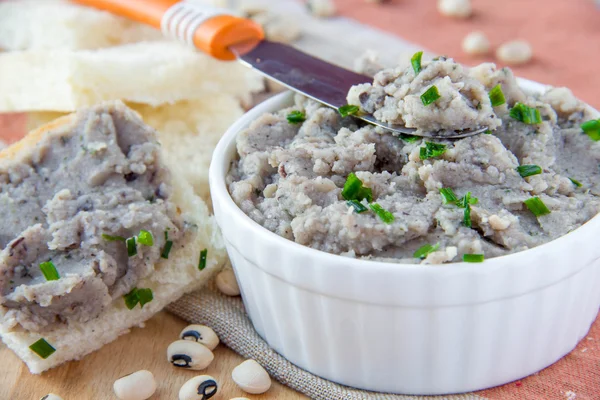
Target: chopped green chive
x=576 y=182
x=432 y=150
x=467 y=217
x=354 y=189
x=423 y=251
x=473 y=258
x=488 y=132
x=592 y=129
x=348 y=110
x=202 y=263
x=296 y=117
x=42 y=348
x=467 y=200
x=49 y=271
x=167 y=249
x=525 y=114
x=358 y=206
x=409 y=138
x=131 y=247
x=145 y=296
x=386 y=216
x=430 y=95
x=448 y=196
x=110 y=238
x=145 y=238
x=497 y=96
x=131 y=299
x=141 y=296
x=529 y=170
x=537 y=206
x=416 y=62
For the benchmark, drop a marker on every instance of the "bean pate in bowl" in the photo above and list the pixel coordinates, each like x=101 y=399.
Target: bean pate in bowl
x=328 y=181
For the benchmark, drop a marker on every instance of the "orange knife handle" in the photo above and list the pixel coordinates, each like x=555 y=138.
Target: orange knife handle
x=209 y=29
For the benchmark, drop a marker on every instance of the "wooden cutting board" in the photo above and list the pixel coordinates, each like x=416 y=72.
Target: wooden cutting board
x=93 y=377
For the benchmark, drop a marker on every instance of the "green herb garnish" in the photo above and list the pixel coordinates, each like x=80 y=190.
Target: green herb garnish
x=42 y=348
x=430 y=95
x=592 y=129
x=448 y=196
x=409 y=138
x=473 y=258
x=386 y=216
x=49 y=271
x=576 y=182
x=416 y=62
x=202 y=263
x=423 y=251
x=110 y=238
x=145 y=296
x=141 y=296
x=354 y=189
x=296 y=117
x=358 y=206
x=145 y=238
x=432 y=150
x=525 y=114
x=497 y=96
x=537 y=206
x=348 y=110
x=168 y=244
x=131 y=246
x=529 y=170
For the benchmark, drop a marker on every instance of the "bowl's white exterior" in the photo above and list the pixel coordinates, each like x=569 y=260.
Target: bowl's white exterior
x=406 y=328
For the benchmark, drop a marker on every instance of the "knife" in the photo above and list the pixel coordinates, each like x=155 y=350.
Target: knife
x=226 y=37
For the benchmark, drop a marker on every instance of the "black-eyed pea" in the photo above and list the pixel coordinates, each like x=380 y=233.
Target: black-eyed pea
x=227 y=283
x=201 y=334
x=455 y=8
x=251 y=377
x=515 y=53
x=189 y=355
x=51 y=396
x=201 y=387
x=137 y=386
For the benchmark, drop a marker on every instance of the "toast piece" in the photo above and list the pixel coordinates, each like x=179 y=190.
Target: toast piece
x=167 y=278
x=152 y=73
x=55 y=24
x=187 y=130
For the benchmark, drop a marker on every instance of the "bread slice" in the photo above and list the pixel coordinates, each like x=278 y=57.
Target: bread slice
x=187 y=130
x=56 y=24
x=152 y=73
x=171 y=278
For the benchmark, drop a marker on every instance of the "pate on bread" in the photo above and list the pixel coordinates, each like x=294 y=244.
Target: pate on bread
x=94 y=213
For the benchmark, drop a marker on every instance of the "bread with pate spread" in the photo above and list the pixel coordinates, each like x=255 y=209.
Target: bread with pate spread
x=101 y=232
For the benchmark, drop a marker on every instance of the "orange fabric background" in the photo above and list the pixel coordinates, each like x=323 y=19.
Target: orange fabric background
x=565 y=36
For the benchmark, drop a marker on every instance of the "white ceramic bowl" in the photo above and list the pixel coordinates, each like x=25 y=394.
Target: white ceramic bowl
x=409 y=329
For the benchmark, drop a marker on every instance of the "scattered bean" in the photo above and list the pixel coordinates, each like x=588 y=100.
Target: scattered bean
x=227 y=283
x=201 y=387
x=515 y=52
x=201 y=334
x=455 y=8
x=251 y=377
x=51 y=396
x=321 y=8
x=189 y=355
x=476 y=43
x=278 y=28
x=137 y=386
